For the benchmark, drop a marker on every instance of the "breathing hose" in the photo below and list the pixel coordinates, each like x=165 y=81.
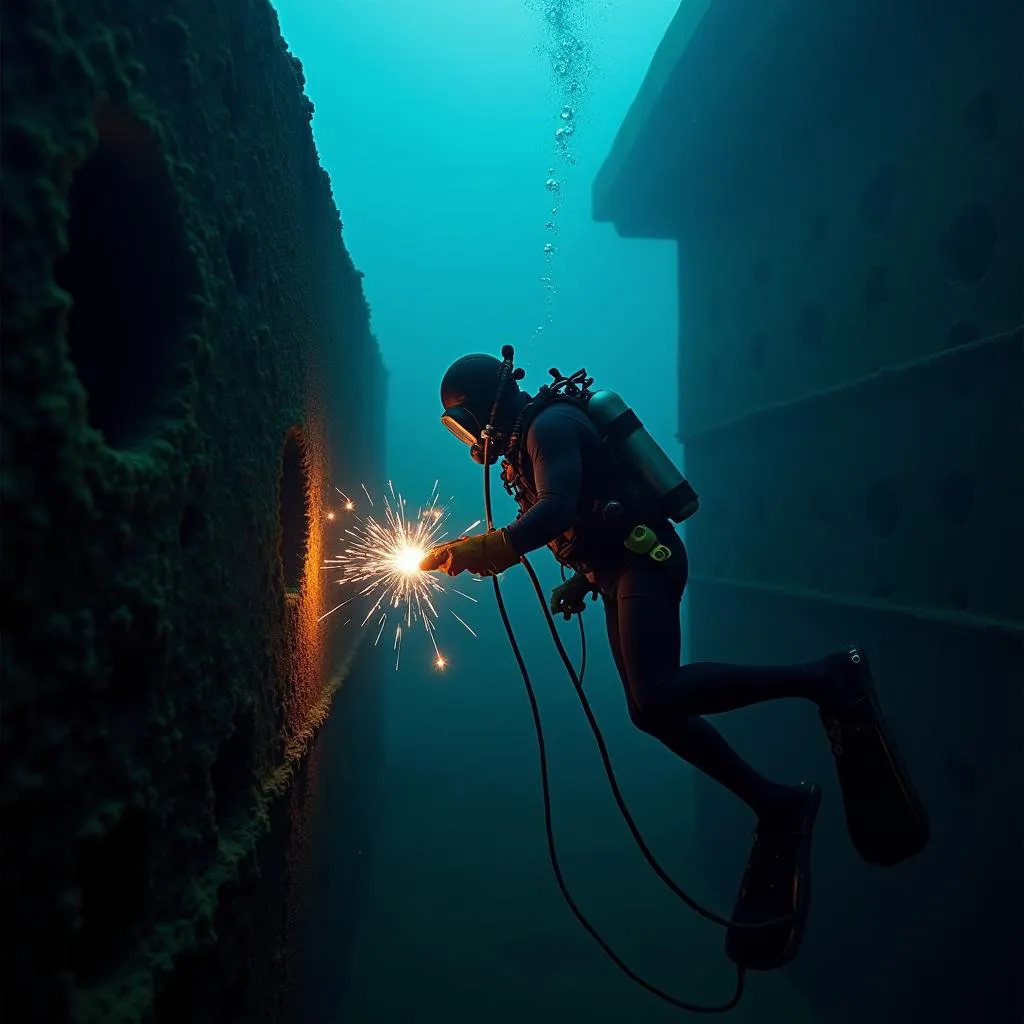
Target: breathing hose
x=616 y=792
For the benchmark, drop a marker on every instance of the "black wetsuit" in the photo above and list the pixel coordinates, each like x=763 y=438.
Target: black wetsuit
x=562 y=459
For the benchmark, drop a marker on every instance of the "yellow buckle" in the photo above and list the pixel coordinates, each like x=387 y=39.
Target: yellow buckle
x=642 y=540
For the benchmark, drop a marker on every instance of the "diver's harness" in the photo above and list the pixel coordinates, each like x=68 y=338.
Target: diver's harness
x=483 y=455
x=575 y=390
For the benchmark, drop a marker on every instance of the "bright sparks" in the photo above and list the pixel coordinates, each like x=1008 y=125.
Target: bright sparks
x=381 y=563
x=407 y=560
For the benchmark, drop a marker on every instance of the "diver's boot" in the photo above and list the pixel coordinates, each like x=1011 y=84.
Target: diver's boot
x=885 y=817
x=776 y=886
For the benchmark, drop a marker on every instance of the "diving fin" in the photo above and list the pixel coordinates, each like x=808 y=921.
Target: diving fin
x=776 y=884
x=885 y=817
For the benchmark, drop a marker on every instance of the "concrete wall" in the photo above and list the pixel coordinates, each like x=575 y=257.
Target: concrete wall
x=851 y=376
x=187 y=368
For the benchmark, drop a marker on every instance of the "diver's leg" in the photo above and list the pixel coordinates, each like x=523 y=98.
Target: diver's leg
x=656 y=646
x=776 y=881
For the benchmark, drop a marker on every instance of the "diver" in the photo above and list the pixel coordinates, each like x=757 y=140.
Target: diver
x=578 y=495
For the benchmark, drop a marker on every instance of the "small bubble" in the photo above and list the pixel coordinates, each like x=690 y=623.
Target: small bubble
x=567 y=112
x=551 y=185
x=550 y=225
x=554 y=210
x=548 y=247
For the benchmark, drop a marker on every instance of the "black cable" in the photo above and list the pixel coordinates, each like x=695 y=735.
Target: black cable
x=602 y=747
x=583 y=639
x=546 y=790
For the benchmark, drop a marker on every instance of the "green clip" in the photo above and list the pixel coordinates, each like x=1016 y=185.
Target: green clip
x=640 y=540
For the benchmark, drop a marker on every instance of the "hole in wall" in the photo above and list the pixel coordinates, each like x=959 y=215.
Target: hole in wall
x=962 y=333
x=113 y=880
x=969 y=244
x=877 y=290
x=130 y=275
x=882 y=508
x=878 y=198
x=811 y=326
x=294 y=510
x=954 y=497
x=981 y=116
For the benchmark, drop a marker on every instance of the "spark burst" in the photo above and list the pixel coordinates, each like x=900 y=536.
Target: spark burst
x=381 y=561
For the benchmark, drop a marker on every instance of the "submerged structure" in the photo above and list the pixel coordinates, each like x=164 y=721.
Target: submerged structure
x=188 y=368
x=844 y=182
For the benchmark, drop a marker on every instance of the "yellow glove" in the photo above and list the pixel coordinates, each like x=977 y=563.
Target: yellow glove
x=485 y=554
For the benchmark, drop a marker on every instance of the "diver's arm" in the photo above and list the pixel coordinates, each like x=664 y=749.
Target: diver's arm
x=553 y=446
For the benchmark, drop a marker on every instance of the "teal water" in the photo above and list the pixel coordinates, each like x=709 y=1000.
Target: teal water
x=438 y=123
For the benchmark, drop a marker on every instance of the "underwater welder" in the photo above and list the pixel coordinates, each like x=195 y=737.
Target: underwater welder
x=594 y=487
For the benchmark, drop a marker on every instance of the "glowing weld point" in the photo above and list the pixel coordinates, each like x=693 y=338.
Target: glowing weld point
x=380 y=563
x=407 y=560
x=330 y=516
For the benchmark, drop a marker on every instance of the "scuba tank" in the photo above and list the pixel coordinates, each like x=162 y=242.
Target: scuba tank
x=641 y=454
x=620 y=428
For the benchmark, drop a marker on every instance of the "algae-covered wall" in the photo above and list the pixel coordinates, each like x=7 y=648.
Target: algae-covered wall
x=187 y=369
